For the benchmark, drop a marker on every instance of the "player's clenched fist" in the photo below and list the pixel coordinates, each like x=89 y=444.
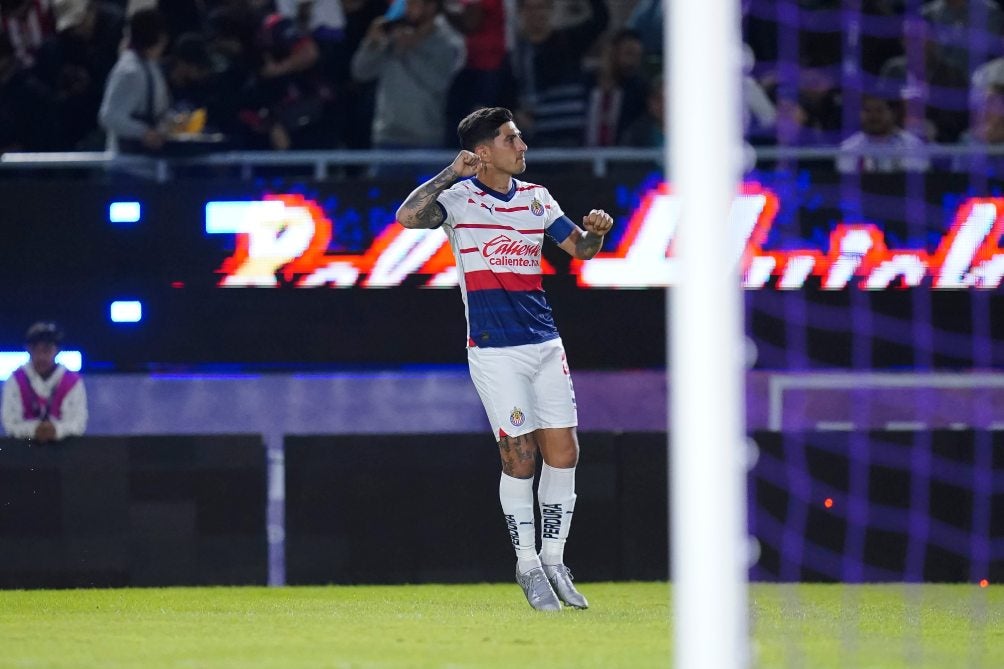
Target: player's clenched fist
x=598 y=222
x=466 y=164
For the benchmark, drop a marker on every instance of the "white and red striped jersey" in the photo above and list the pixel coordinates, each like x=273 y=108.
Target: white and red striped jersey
x=497 y=240
x=27 y=34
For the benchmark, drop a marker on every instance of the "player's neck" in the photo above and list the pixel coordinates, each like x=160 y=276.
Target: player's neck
x=498 y=181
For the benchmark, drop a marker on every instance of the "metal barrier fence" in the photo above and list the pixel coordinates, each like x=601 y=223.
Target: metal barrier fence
x=324 y=164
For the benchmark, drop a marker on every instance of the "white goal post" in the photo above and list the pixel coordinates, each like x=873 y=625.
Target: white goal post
x=706 y=343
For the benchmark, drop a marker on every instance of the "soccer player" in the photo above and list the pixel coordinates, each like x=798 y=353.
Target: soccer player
x=496 y=226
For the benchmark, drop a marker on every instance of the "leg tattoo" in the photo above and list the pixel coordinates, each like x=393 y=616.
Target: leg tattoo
x=518 y=455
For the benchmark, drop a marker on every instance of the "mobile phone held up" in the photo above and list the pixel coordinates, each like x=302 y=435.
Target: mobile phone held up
x=395 y=13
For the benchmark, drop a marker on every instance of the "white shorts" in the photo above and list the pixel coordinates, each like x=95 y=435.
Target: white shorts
x=524 y=388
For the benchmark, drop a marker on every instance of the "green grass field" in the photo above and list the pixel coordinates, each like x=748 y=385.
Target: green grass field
x=488 y=625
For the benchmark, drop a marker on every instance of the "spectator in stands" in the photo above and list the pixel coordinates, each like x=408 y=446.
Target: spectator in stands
x=482 y=81
x=792 y=125
x=986 y=81
x=619 y=90
x=27 y=23
x=414 y=61
x=136 y=96
x=549 y=76
x=646 y=20
x=190 y=77
x=291 y=97
x=967 y=31
x=820 y=96
x=231 y=36
x=324 y=19
x=75 y=63
x=880 y=132
x=27 y=106
x=288 y=50
x=355 y=101
x=933 y=89
x=813 y=97
x=987 y=130
x=42 y=400
x=649 y=130
x=759 y=113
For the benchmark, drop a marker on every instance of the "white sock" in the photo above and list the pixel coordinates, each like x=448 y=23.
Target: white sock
x=516 y=496
x=556 y=495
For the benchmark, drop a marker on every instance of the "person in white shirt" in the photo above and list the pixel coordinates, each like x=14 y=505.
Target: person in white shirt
x=136 y=96
x=881 y=145
x=43 y=401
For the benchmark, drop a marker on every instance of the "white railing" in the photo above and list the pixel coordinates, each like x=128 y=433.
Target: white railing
x=324 y=164
x=321 y=163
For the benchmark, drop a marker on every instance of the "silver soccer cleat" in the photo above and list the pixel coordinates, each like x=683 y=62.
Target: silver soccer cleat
x=560 y=578
x=538 y=590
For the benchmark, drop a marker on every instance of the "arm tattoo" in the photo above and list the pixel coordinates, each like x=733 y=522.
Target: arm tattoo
x=517 y=451
x=587 y=245
x=420 y=207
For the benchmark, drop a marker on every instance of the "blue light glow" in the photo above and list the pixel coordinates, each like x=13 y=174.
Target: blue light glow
x=124 y=212
x=11 y=360
x=126 y=311
x=240 y=216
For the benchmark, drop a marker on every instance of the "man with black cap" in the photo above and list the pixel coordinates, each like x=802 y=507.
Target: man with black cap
x=42 y=400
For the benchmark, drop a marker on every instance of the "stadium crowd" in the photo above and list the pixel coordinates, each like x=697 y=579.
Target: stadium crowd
x=398 y=74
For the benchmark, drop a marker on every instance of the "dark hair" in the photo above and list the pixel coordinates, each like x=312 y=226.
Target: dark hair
x=230 y=22
x=482 y=126
x=191 y=48
x=146 y=27
x=43 y=331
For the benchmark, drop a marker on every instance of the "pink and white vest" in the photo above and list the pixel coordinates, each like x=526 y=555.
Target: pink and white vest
x=35 y=406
